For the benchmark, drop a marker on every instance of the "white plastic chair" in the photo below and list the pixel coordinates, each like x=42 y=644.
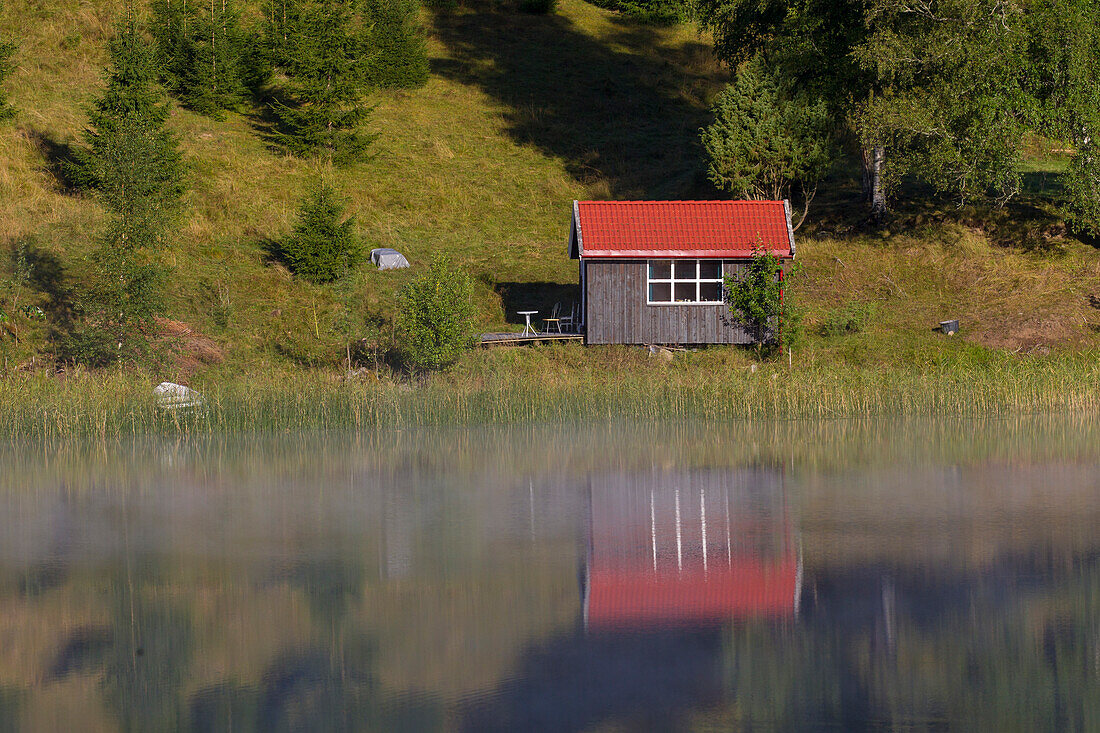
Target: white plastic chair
x=553 y=320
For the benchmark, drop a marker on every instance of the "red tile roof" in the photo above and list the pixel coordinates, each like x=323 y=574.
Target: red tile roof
x=730 y=229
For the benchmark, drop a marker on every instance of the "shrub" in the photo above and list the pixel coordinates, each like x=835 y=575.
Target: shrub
x=1082 y=180
x=850 y=318
x=757 y=301
x=323 y=246
x=88 y=346
x=436 y=317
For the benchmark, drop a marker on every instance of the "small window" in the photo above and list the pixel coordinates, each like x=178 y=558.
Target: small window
x=687 y=269
x=660 y=292
x=710 y=292
x=684 y=281
x=660 y=269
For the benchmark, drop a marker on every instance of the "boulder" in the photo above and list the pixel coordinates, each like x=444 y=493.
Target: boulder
x=172 y=396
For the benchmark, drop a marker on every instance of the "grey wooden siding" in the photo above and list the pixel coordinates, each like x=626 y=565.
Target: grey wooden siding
x=616 y=311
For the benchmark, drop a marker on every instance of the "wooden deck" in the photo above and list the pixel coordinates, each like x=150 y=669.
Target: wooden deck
x=518 y=339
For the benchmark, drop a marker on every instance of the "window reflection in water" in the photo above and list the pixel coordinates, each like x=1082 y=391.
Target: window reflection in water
x=689 y=548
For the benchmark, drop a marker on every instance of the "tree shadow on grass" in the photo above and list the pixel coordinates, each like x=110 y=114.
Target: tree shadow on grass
x=1031 y=220
x=536 y=296
x=46 y=275
x=627 y=119
x=59 y=160
x=261 y=116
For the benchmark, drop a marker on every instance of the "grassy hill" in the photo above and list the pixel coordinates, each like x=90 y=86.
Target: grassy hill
x=522 y=114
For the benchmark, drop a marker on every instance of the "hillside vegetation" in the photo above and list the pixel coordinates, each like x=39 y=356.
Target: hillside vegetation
x=521 y=115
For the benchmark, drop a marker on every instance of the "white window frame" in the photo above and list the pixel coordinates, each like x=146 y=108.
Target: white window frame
x=672 y=280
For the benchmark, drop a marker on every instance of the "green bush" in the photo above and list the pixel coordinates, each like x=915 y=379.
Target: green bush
x=758 y=302
x=436 y=317
x=89 y=346
x=850 y=318
x=323 y=246
x=1082 y=186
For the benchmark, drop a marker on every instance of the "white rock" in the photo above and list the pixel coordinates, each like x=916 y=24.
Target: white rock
x=172 y=396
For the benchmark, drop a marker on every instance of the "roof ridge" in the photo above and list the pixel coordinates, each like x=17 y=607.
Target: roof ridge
x=711 y=228
x=634 y=202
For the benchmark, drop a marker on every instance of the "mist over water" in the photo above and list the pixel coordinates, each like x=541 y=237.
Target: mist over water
x=690 y=576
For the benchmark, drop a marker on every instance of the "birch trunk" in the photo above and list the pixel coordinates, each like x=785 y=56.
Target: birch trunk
x=874 y=192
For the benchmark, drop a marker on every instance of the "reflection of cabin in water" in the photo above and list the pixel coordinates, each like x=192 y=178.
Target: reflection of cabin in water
x=651 y=271
x=689 y=549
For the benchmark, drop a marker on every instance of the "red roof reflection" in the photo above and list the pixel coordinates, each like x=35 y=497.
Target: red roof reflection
x=689 y=549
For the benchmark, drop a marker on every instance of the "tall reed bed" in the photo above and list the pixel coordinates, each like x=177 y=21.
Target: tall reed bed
x=111 y=405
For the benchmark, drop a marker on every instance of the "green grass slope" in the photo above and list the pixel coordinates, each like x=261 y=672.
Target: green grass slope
x=522 y=114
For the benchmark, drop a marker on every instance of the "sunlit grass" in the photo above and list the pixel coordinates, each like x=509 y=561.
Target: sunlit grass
x=115 y=405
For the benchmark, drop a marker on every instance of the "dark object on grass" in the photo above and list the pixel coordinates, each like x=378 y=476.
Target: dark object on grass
x=949 y=327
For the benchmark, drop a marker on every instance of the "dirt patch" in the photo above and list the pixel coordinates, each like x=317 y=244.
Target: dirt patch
x=1028 y=333
x=187 y=348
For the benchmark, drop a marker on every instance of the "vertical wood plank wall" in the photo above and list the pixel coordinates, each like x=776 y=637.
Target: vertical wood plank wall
x=616 y=311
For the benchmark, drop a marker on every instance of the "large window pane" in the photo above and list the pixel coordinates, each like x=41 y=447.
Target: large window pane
x=660 y=269
x=660 y=292
x=685 y=292
x=685 y=269
x=710 y=292
x=710 y=269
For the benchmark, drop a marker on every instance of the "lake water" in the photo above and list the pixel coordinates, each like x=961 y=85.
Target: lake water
x=788 y=576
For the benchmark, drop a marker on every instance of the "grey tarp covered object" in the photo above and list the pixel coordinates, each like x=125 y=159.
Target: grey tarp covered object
x=388 y=259
x=173 y=396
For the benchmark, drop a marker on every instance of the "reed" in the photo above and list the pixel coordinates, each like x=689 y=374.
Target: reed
x=115 y=405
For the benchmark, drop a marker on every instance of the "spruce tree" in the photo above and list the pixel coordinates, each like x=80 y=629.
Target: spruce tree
x=201 y=52
x=766 y=141
x=321 y=57
x=281 y=22
x=323 y=246
x=135 y=167
x=396 y=47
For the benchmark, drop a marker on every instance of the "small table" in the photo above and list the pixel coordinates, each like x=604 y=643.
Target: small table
x=527 y=329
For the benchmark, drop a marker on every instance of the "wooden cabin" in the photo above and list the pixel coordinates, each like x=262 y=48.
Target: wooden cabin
x=651 y=271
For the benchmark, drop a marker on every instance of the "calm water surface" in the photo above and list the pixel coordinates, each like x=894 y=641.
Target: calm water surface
x=794 y=576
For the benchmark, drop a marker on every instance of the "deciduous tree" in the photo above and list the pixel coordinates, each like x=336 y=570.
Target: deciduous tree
x=436 y=317
x=943 y=90
x=757 y=301
x=134 y=166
